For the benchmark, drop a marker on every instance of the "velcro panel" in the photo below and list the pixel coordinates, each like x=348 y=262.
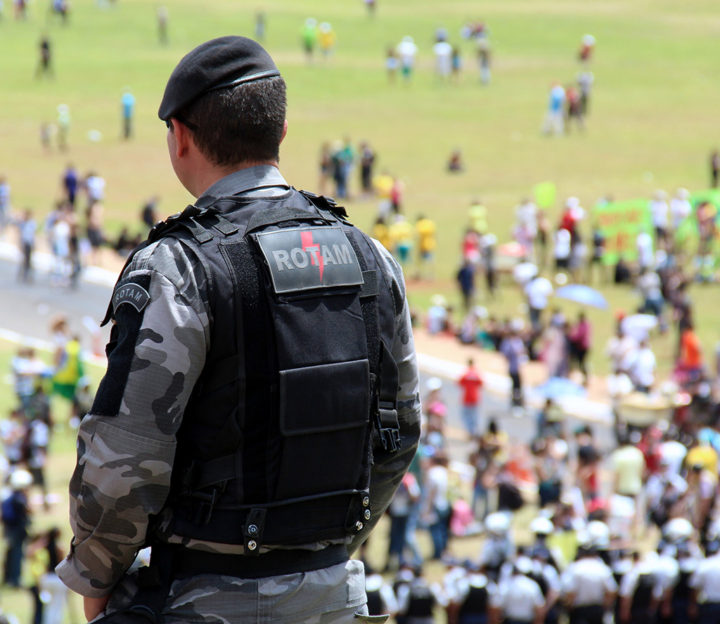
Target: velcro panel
x=329 y=397
x=323 y=418
x=317 y=330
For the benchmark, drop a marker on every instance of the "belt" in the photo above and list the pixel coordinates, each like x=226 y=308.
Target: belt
x=187 y=562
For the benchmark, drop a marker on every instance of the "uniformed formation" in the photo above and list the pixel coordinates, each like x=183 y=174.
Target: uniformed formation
x=675 y=583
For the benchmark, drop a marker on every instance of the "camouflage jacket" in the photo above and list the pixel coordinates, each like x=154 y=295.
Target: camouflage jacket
x=126 y=444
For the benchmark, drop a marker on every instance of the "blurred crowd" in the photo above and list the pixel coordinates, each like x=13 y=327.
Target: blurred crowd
x=26 y=435
x=593 y=524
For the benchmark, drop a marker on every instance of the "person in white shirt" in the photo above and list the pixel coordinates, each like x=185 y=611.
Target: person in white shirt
x=680 y=207
x=471 y=596
x=537 y=291
x=417 y=600
x=706 y=583
x=588 y=588
x=646 y=255
x=526 y=214
x=673 y=452
x=380 y=595
x=659 y=212
x=95 y=188
x=443 y=58
x=436 y=511
x=641 y=591
x=519 y=599
x=406 y=51
x=562 y=249
x=642 y=368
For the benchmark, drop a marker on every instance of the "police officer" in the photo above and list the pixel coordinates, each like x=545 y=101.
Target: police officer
x=519 y=599
x=548 y=579
x=542 y=528
x=498 y=546
x=640 y=591
x=380 y=595
x=588 y=587
x=705 y=582
x=418 y=599
x=260 y=405
x=472 y=596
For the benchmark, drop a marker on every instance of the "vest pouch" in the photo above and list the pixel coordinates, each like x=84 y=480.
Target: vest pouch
x=322 y=407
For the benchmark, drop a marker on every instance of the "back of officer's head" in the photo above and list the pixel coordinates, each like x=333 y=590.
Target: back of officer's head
x=230 y=95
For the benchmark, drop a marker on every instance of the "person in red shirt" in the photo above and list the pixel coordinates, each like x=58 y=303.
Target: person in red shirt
x=689 y=365
x=580 y=338
x=471 y=384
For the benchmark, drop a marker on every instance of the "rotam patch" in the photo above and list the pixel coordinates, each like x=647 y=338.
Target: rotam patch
x=309 y=258
x=131 y=293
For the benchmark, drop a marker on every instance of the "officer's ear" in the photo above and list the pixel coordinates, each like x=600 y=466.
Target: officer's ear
x=182 y=135
x=284 y=132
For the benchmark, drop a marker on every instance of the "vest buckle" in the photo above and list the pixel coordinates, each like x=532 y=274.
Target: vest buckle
x=387 y=426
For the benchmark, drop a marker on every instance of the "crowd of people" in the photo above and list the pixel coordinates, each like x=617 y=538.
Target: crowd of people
x=74 y=229
x=625 y=524
x=32 y=553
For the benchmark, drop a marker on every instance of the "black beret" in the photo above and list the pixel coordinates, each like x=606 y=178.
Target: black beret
x=215 y=64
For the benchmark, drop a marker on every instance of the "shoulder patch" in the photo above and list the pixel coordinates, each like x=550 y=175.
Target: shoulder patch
x=131 y=293
x=309 y=258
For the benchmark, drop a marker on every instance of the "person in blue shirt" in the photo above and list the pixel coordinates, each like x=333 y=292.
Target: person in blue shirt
x=128 y=110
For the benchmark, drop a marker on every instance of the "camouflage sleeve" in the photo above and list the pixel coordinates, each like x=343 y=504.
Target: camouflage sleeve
x=389 y=468
x=126 y=444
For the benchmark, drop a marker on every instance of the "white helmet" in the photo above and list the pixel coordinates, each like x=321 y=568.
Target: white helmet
x=524 y=565
x=598 y=534
x=20 y=479
x=541 y=526
x=677 y=530
x=497 y=523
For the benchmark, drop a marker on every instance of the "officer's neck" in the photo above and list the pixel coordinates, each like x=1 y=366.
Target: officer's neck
x=205 y=177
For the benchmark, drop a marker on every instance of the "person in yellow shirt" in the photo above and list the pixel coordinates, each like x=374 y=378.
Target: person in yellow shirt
x=703 y=455
x=327 y=39
x=381 y=232
x=401 y=237
x=477 y=214
x=383 y=185
x=427 y=242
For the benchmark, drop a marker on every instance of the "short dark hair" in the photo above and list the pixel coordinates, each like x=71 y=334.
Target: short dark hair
x=239 y=124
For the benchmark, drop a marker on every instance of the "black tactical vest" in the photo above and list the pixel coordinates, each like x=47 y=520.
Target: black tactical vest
x=375 y=604
x=421 y=602
x=643 y=595
x=277 y=438
x=475 y=603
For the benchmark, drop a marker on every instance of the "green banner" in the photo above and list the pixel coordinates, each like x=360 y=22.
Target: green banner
x=620 y=223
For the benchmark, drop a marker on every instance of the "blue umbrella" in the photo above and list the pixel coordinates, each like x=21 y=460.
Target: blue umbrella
x=558 y=387
x=579 y=293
